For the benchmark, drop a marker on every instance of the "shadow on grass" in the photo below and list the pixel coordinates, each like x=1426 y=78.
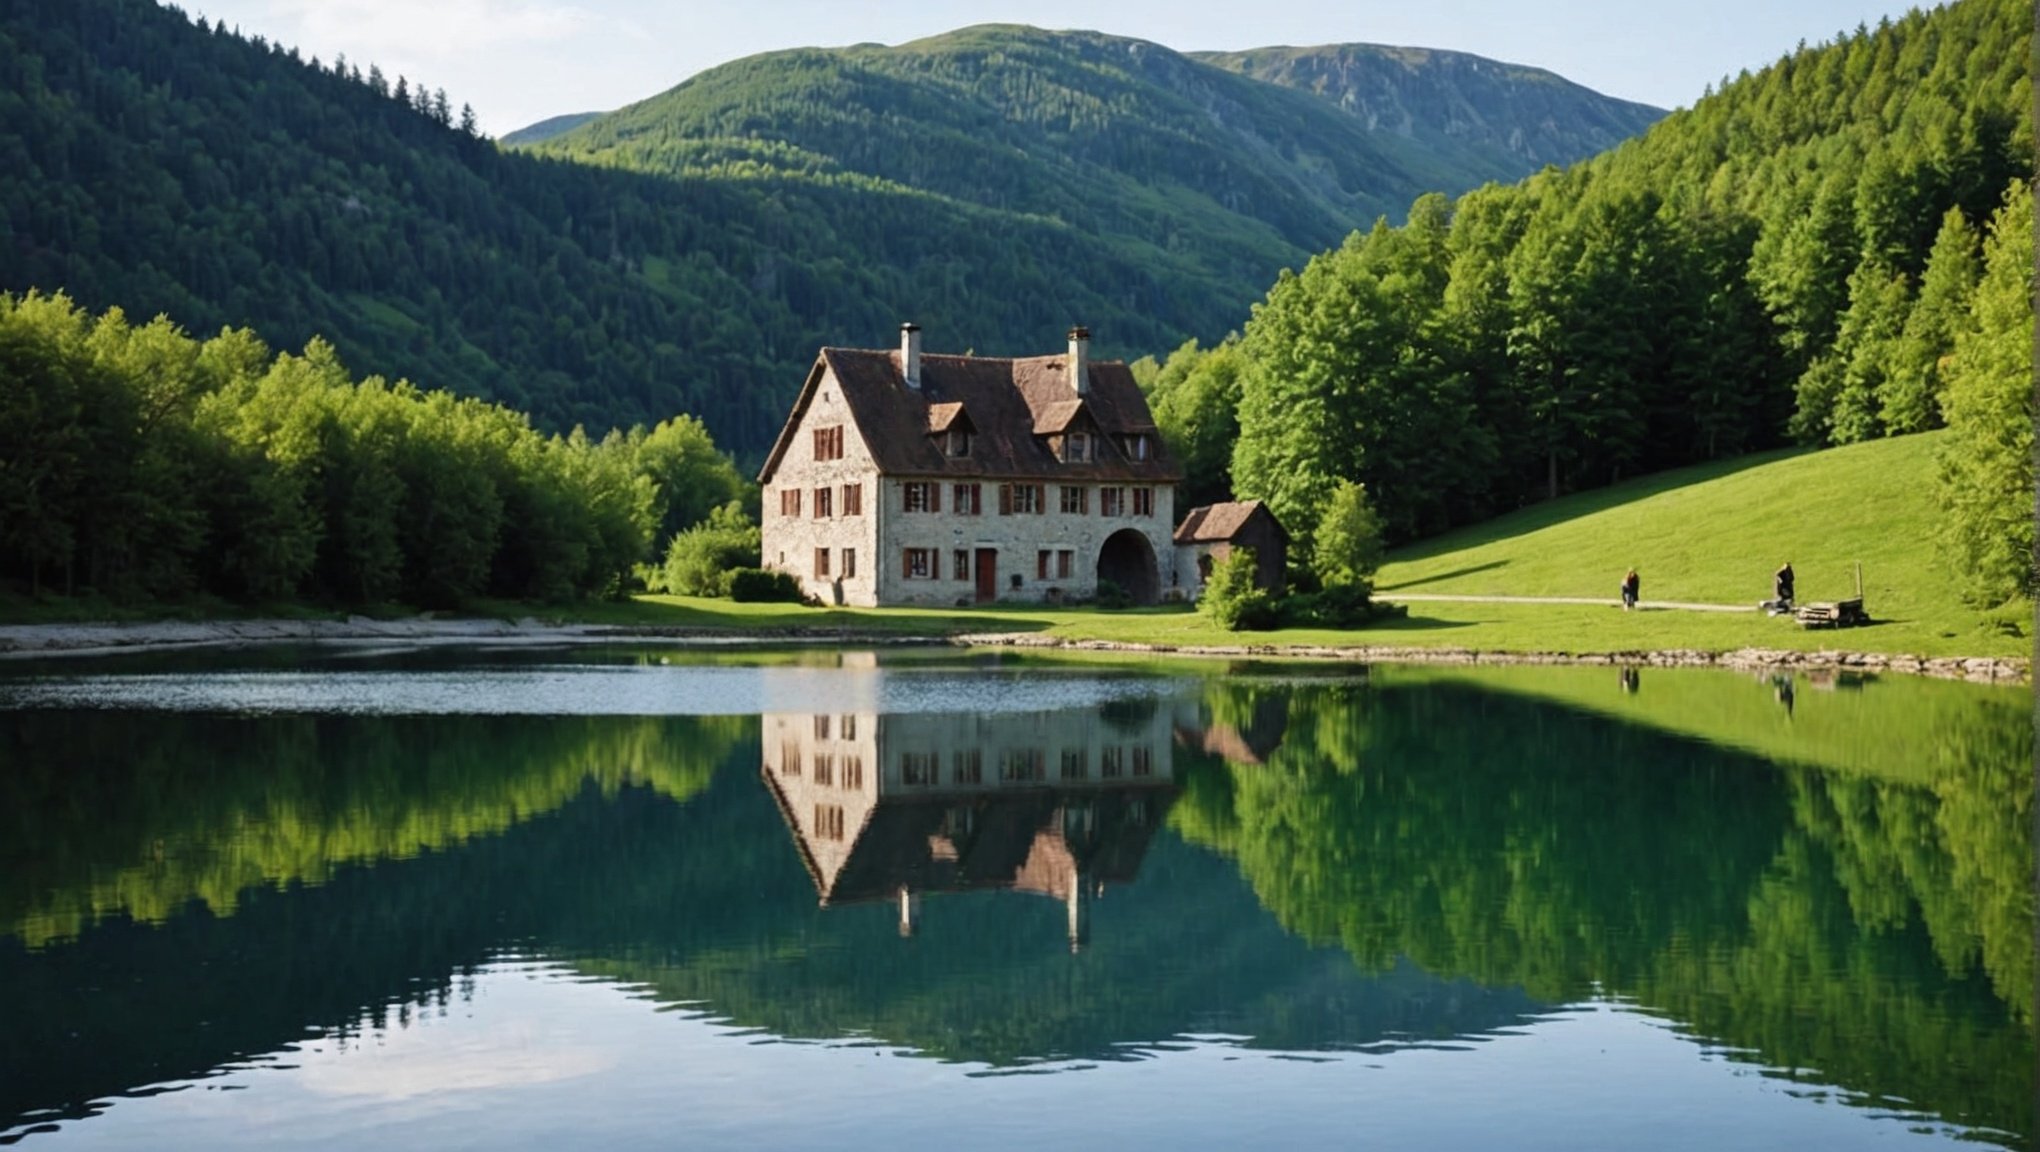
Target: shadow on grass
x=1454 y=574
x=1416 y=624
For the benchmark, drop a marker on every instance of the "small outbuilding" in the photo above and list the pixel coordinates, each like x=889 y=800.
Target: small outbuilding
x=1210 y=533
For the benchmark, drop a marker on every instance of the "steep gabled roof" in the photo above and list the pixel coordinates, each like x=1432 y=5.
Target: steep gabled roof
x=1007 y=402
x=1214 y=523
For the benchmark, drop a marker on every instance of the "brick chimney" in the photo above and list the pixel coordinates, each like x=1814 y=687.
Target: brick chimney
x=1080 y=361
x=910 y=354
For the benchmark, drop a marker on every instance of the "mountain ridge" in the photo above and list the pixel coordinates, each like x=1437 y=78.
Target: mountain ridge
x=1001 y=188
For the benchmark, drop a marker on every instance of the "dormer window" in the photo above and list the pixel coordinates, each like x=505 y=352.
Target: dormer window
x=1135 y=446
x=957 y=443
x=1076 y=448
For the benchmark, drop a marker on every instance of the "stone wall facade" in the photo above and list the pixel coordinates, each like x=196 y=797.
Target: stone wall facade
x=878 y=536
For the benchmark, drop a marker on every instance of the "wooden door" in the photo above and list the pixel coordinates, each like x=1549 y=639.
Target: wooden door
x=987 y=575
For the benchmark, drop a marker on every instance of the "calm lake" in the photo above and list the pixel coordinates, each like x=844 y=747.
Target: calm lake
x=639 y=897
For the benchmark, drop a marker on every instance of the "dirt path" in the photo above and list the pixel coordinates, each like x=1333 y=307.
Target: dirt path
x=1646 y=605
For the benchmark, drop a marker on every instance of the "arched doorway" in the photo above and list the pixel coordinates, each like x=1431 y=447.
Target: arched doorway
x=1128 y=560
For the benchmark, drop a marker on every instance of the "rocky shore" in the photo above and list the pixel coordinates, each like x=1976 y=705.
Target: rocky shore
x=31 y=640
x=2006 y=670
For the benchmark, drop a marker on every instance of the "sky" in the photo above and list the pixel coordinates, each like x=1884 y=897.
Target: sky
x=518 y=61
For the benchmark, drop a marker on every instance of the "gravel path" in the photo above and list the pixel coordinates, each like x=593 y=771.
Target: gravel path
x=1646 y=605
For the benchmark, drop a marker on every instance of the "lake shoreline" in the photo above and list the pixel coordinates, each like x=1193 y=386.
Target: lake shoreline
x=19 y=641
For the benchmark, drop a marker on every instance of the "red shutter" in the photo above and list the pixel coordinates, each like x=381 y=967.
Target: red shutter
x=1005 y=499
x=934 y=497
x=934 y=563
x=906 y=563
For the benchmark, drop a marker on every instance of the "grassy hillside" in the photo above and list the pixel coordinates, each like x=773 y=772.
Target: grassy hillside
x=1715 y=533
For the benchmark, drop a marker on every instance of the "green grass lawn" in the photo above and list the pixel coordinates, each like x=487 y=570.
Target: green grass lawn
x=1715 y=533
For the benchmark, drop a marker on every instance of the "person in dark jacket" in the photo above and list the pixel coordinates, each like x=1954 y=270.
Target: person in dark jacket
x=1781 y=585
x=1632 y=588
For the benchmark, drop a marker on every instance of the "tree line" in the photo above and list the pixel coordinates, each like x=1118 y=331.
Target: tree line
x=137 y=462
x=1834 y=249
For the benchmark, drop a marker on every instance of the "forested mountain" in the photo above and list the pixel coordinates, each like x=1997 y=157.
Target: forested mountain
x=547 y=128
x=1509 y=113
x=995 y=185
x=1837 y=247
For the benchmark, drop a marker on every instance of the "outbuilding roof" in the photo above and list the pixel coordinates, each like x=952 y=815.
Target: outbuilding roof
x=1214 y=523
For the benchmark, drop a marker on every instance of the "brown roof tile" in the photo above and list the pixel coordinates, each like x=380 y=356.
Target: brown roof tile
x=942 y=416
x=1215 y=522
x=1009 y=402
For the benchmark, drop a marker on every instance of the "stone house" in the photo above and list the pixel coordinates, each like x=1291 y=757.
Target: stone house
x=903 y=478
x=1210 y=533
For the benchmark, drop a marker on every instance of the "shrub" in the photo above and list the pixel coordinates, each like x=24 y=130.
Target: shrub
x=1347 y=547
x=1111 y=595
x=1231 y=598
x=1339 y=606
x=764 y=586
x=702 y=560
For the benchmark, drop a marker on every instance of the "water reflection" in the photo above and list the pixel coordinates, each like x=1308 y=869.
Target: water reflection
x=895 y=807
x=1837 y=896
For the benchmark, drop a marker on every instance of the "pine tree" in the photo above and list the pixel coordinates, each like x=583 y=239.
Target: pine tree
x=1987 y=466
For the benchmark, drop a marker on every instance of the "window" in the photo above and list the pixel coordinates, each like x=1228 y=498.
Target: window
x=1026 y=765
x=829 y=443
x=853 y=772
x=1063 y=560
x=1143 y=762
x=1076 y=500
x=825 y=769
x=967 y=767
x=1111 y=501
x=959 y=564
x=1076 y=448
x=849 y=726
x=853 y=499
x=1042 y=560
x=923 y=496
x=1110 y=761
x=821 y=727
x=965 y=500
x=821 y=563
x=849 y=563
x=1021 y=499
x=1075 y=764
x=918 y=769
x=789 y=501
x=825 y=503
x=1135 y=447
x=828 y=821
x=789 y=758
x=918 y=564
x=1143 y=501
x=957 y=444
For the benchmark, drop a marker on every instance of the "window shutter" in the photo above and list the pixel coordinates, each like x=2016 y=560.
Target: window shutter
x=1005 y=499
x=977 y=500
x=934 y=497
x=906 y=563
x=934 y=563
x=1040 y=500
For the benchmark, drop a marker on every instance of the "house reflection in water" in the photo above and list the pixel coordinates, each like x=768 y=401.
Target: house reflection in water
x=892 y=807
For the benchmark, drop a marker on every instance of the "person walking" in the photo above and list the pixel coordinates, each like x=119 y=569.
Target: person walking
x=1781 y=586
x=1632 y=588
